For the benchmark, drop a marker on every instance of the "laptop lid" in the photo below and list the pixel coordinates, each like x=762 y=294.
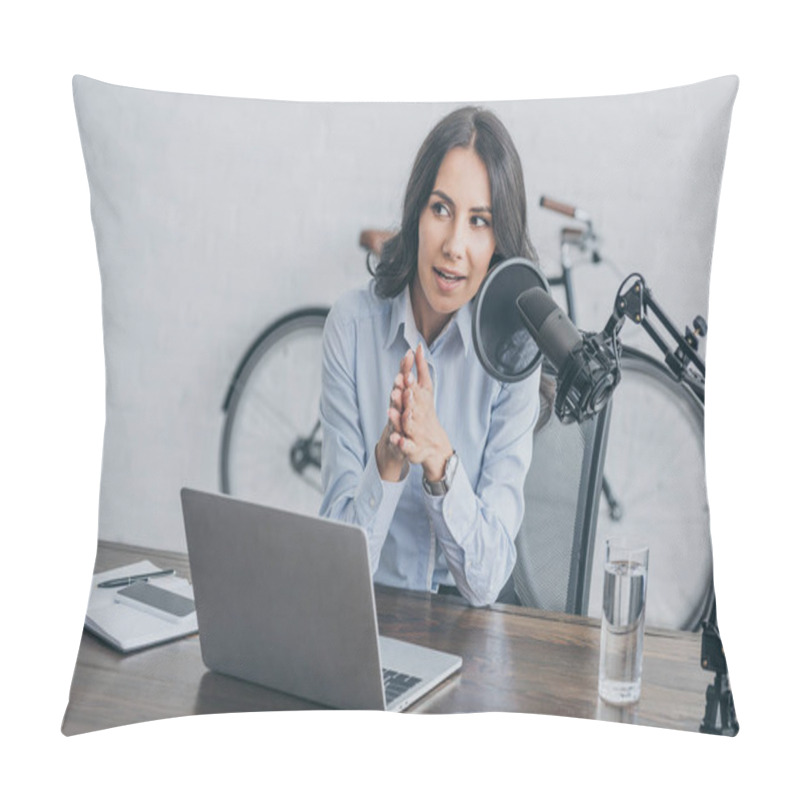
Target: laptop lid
x=284 y=600
x=330 y=658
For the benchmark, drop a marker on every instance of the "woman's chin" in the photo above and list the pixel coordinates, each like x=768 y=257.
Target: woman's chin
x=447 y=306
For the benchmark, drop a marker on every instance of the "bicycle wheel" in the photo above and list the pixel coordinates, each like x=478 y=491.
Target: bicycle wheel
x=270 y=439
x=655 y=466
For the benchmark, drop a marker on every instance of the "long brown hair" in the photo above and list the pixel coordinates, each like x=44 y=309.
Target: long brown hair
x=466 y=127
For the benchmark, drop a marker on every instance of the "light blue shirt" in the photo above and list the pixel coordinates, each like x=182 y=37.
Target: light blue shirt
x=416 y=540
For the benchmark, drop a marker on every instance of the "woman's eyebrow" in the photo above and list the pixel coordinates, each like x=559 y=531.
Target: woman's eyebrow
x=479 y=209
x=444 y=197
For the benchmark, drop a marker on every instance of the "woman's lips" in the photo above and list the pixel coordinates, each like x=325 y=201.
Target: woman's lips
x=447 y=281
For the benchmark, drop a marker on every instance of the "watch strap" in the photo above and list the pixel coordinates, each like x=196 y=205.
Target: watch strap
x=439 y=488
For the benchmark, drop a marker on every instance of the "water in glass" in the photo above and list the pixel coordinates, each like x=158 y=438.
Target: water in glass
x=622 y=632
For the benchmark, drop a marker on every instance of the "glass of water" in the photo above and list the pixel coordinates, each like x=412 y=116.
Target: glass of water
x=622 y=629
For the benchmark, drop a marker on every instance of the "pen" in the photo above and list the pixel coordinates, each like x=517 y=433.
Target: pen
x=112 y=584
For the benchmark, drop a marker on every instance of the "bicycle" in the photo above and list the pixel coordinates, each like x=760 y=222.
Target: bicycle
x=263 y=416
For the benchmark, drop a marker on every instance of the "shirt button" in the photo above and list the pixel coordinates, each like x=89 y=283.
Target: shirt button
x=372 y=502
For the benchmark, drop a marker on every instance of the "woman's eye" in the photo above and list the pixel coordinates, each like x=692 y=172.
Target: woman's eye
x=480 y=222
x=440 y=209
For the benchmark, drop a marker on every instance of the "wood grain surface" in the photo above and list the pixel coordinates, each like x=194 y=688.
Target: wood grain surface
x=515 y=660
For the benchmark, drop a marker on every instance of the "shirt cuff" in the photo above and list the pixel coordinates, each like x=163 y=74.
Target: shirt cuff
x=377 y=498
x=456 y=507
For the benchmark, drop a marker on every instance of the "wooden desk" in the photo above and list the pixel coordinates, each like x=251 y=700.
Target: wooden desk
x=515 y=659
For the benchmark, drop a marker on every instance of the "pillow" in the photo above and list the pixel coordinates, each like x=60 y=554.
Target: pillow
x=216 y=217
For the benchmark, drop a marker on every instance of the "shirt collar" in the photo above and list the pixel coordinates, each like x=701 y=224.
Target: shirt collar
x=397 y=317
x=463 y=322
x=403 y=314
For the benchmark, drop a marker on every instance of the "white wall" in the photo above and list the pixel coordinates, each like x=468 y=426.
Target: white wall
x=215 y=217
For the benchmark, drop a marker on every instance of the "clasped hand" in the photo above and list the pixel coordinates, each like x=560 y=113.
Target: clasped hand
x=413 y=433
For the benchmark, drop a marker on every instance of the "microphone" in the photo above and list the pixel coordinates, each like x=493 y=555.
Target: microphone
x=587 y=365
x=550 y=327
x=516 y=323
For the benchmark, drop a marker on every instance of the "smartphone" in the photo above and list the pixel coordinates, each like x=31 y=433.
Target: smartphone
x=155 y=600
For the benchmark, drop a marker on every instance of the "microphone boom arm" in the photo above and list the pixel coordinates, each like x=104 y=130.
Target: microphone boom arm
x=634 y=304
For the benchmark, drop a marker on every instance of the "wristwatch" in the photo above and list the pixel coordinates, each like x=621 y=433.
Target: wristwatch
x=438 y=488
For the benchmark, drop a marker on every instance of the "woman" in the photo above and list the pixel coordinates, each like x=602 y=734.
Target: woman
x=437 y=480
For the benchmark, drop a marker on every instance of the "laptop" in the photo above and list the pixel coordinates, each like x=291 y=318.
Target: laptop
x=286 y=600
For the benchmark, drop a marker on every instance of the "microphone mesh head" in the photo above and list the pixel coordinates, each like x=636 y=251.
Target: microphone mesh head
x=537 y=305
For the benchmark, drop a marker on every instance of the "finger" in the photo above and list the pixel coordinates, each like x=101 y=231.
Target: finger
x=407 y=362
x=393 y=438
x=397 y=440
x=396 y=395
x=423 y=375
x=407 y=368
x=403 y=444
x=408 y=448
x=395 y=420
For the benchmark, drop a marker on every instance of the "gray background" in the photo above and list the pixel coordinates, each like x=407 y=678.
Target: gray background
x=215 y=216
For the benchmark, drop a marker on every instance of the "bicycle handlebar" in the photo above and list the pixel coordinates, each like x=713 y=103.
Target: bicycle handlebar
x=563 y=208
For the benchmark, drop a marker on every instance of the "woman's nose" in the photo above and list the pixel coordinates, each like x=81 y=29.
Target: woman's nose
x=454 y=243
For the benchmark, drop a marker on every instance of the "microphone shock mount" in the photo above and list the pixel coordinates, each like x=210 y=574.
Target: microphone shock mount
x=587 y=379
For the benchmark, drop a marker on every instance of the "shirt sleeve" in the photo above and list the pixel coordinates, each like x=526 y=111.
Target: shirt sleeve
x=476 y=526
x=353 y=490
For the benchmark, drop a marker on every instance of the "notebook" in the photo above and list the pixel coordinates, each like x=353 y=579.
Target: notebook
x=286 y=600
x=127 y=625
